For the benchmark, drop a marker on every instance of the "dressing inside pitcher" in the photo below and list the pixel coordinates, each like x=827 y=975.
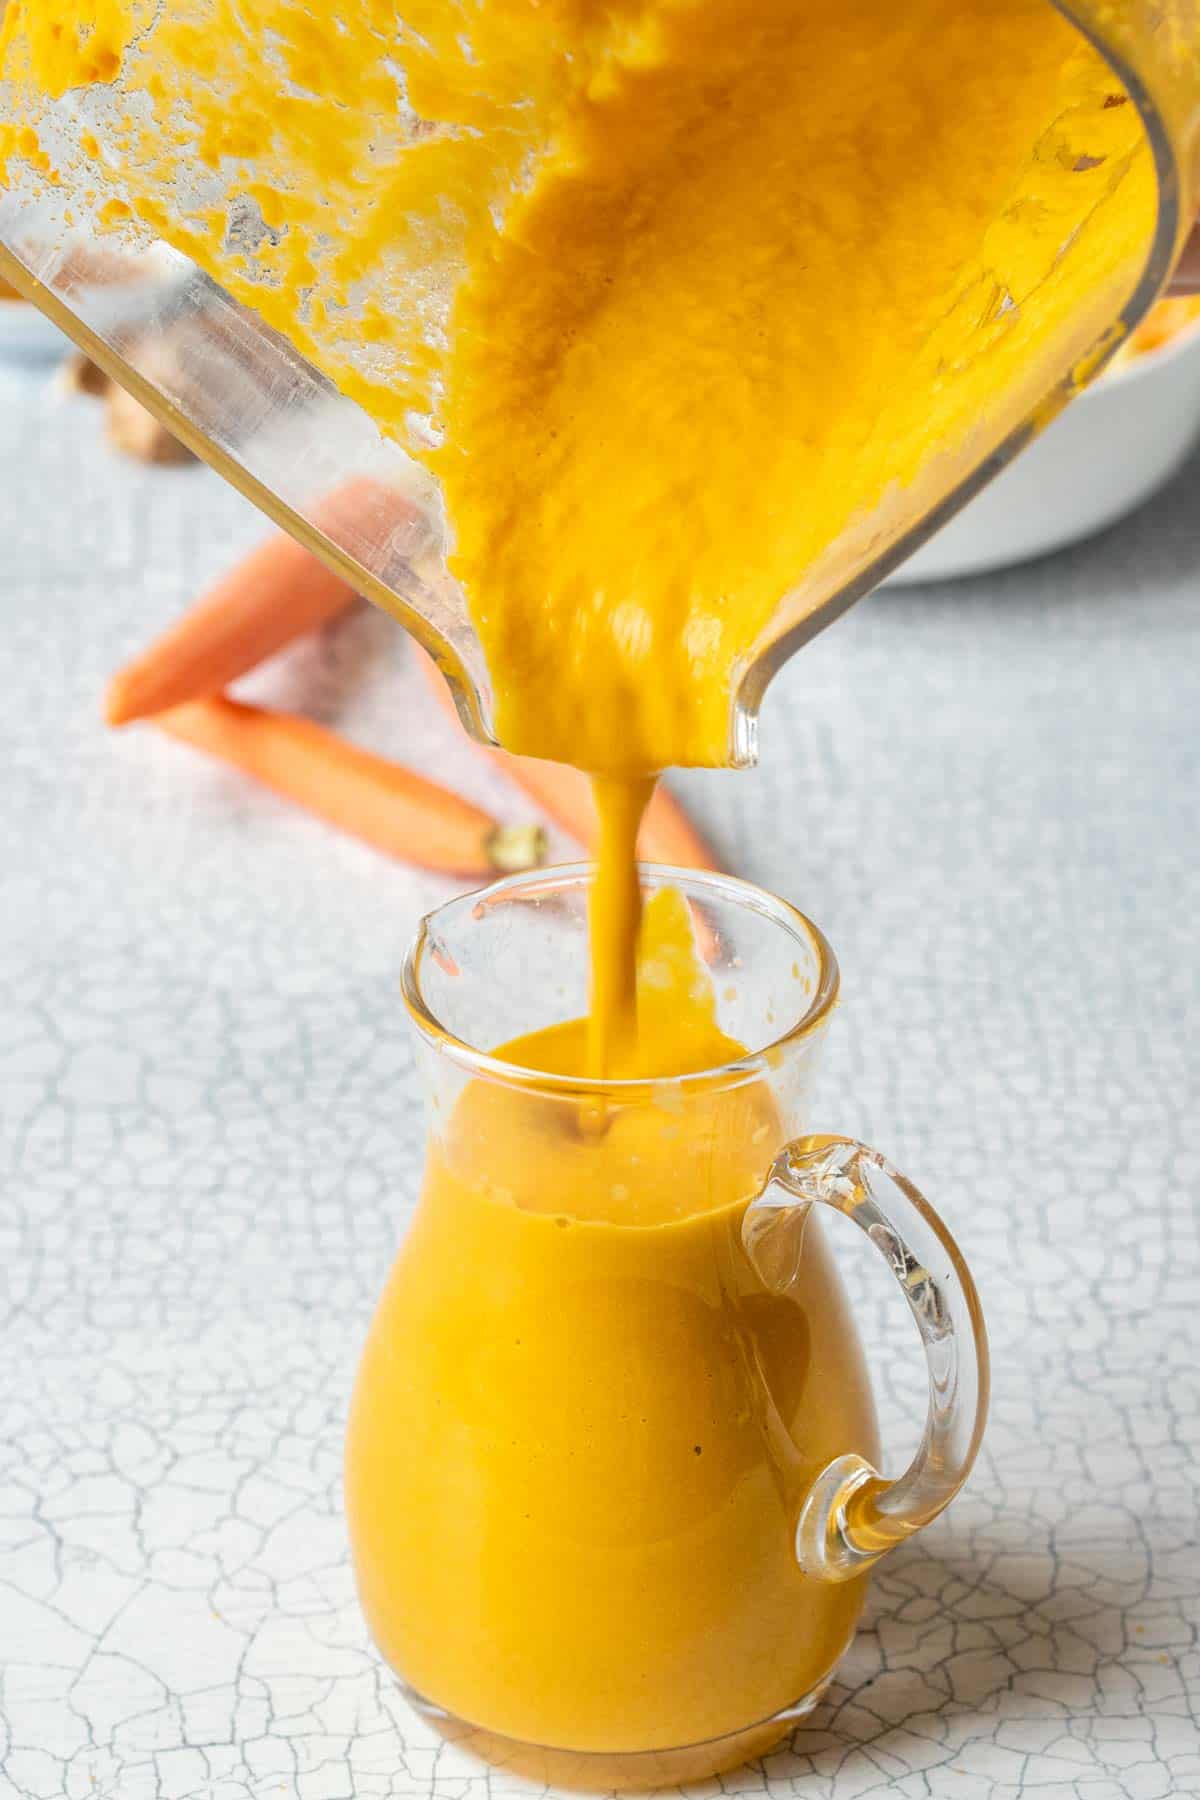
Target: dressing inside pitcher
x=614 y=1373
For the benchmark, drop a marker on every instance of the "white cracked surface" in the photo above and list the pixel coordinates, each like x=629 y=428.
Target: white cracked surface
x=209 y=1137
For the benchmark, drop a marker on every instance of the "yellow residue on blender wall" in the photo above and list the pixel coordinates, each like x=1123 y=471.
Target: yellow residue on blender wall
x=670 y=295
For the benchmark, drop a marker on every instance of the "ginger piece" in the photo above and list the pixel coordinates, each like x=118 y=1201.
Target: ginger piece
x=82 y=376
x=137 y=433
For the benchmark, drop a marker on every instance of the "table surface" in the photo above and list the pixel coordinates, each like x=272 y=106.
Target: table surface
x=210 y=1135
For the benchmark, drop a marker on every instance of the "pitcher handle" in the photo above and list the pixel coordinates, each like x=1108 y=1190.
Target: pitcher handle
x=852 y=1515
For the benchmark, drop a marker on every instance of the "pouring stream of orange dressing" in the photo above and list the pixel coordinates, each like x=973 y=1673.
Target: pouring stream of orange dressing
x=671 y=295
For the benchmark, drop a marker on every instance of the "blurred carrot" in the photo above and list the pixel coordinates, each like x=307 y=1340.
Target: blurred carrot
x=565 y=794
x=669 y=836
x=384 y=804
x=277 y=593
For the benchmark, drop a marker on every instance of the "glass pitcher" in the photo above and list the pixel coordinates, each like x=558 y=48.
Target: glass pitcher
x=283 y=399
x=611 y=1459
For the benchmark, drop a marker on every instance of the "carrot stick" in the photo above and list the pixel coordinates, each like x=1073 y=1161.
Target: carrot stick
x=669 y=836
x=396 y=810
x=565 y=794
x=277 y=593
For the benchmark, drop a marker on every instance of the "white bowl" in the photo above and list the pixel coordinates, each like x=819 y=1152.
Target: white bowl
x=1112 y=447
